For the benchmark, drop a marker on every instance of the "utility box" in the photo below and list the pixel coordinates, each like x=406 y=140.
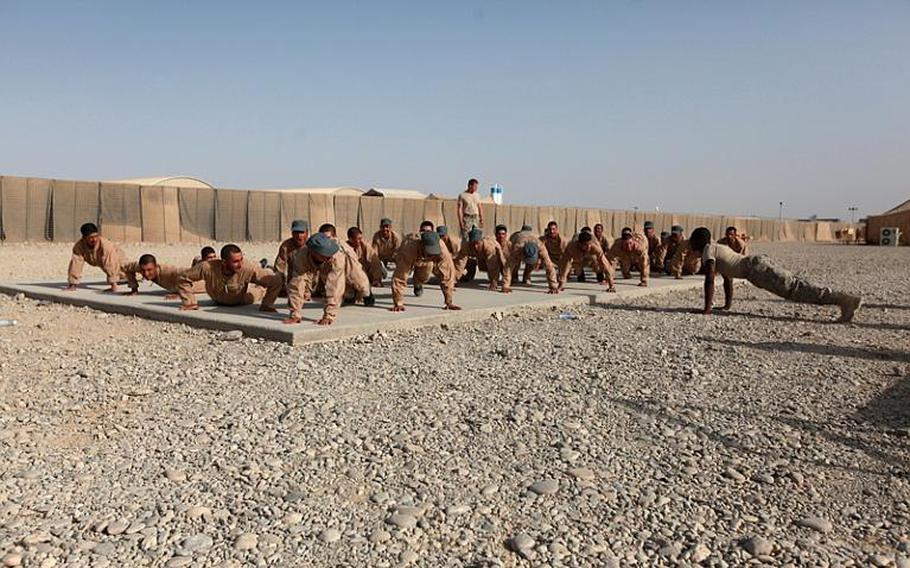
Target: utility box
x=889 y=236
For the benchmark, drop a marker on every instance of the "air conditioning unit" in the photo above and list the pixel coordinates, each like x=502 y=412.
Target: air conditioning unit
x=889 y=236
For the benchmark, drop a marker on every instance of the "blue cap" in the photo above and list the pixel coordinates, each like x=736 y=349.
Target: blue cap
x=532 y=253
x=677 y=230
x=430 y=241
x=526 y=228
x=300 y=226
x=475 y=235
x=322 y=244
x=442 y=230
x=649 y=224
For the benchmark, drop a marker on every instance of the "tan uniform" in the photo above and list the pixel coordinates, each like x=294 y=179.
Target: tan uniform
x=490 y=258
x=234 y=290
x=555 y=247
x=386 y=248
x=168 y=277
x=573 y=254
x=342 y=272
x=369 y=261
x=470 y=211
x=655 y=253
x=736 y=244
x=516 y=258
x=637 y=258
x=681 y=261
x=506 y=247
x=591 y=260
x=106 y=255
x=409 y=255
x=285 y=250
x=454 y=245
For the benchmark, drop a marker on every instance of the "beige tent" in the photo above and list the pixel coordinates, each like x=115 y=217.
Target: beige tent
x=167 y=181
x=395 y=193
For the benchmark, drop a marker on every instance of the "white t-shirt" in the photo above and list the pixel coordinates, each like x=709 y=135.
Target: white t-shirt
x=470 y=202
x=727 y=262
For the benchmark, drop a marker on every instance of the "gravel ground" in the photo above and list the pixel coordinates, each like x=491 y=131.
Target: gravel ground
x=637 y=434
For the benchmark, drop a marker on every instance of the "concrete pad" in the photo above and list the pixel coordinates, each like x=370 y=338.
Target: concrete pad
x=476 y=302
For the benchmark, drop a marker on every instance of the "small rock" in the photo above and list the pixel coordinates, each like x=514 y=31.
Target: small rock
x=757 y=546
x=12 y=559
x=699 y=553
x=330 y=535
x=233 y=335
x=457 y=510
x=198 y=512
x=582 y=473
x=246 y=541
x=117 y=527
x=521 y=542
x=379 y=536
x=545 y=487
x=402 y=521
x=880 y=560
x=815 y=523
x=407 y=557
x=197 y=543
x=176 y=475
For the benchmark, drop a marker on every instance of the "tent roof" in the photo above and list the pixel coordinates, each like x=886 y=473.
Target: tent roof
x=345 y=190
x=400 y=193
x=172 y=181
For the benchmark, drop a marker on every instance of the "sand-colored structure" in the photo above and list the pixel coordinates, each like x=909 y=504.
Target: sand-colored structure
x=155 y=210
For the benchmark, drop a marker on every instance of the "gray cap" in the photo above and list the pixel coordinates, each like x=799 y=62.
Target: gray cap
x=475 y=235
x=322 y=244
x=300 y=226
x=677 y=230
x=385 y=221
x=526 y=228
x=664 y=234
x=532 y=253
x=430 y=241
x=649 y=224
x=442 y=230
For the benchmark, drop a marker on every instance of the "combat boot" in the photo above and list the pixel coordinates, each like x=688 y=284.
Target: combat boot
x=848 y=305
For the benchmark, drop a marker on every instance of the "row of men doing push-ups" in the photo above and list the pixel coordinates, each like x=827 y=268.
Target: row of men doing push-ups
x=341 y=271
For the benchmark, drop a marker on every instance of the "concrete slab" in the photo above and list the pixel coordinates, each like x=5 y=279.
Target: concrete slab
x=477 y=303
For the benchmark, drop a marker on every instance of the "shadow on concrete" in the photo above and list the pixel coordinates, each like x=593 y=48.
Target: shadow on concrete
x=816 y=349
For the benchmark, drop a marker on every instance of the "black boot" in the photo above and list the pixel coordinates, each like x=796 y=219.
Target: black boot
x=418 y=290
x=369 y=301
x=600 y=277
x=581 y=276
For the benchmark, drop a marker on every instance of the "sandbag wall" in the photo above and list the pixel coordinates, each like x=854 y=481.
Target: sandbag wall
x=38 y=209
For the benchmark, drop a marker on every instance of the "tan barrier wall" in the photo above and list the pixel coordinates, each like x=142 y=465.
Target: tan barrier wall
x=901 y=220
x=38 y=209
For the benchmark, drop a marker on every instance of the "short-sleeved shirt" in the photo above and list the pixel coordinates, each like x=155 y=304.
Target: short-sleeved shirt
x=726 y=261
x=470 y=202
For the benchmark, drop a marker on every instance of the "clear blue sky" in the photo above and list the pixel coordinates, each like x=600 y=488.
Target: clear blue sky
x=687 y=106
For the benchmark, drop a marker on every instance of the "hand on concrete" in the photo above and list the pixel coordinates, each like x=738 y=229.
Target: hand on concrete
x=451 y=307
x=612 y=289
x=291 y=319
x=678 y=277
x=554 y=291
x=705 y=312
x=172 y=296
x=111 y=290
x=506 y=290
x=642 y=284
x=70 y=288
x=189 y=308
x=492 y=287
x=324 y=321
x=131 y=293
x=396 y=309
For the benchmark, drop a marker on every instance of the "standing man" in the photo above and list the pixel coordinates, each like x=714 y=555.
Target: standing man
x=632 y=251
x=323 y=258
x=386 y=242
x=231 y=281
x=423 y=247
x=367 y=256
x=300 y=232
x=97 y=251
x=489 y=255
x=761 y=272
x=470 y=213
x=580 y=249
x=734 y=240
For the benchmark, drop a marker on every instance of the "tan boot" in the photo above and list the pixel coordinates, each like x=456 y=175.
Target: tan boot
x=848 y=306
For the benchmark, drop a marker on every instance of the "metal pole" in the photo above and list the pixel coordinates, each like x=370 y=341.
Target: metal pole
x=780 y=211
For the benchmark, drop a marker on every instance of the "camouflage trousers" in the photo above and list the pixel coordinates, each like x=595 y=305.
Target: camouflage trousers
x=783 y=283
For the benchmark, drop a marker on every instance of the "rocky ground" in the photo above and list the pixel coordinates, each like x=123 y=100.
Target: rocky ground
x=638 y=434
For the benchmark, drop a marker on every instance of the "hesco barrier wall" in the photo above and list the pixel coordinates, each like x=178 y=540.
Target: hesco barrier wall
x=38 y=209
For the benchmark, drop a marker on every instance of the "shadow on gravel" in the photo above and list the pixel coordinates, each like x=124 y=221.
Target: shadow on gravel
x=854 y=441
x=816 y=349
x=890 y=409
x=696 y=311
x=887 y=306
